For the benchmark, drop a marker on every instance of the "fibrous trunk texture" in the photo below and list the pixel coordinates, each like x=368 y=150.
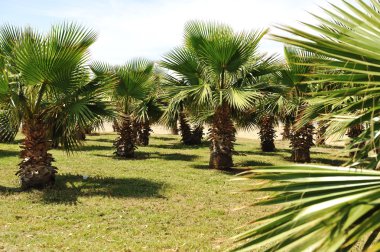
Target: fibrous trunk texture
x=35 y=169
x=185 y=129
x=286 y=132
x=321 y=131
x=222 y=139
x=197 y=135
x=174 y=129
x=126 y=142
x=354 y=132
x=267 y=133
x=80 y=134
x=301 y=140
x=144 y=133
x=115 y=126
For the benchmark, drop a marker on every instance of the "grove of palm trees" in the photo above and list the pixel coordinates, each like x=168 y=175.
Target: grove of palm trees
x=218 y=144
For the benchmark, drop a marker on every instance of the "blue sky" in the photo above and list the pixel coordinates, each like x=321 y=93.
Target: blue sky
x=149 y=28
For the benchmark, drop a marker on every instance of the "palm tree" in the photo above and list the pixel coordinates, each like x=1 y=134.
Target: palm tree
x=176 y=114
x=293 y=103
x=332 y=208
x=135 y=81
x=212 y=63
x=42 y=76
x=148 y=112
x=266 y=112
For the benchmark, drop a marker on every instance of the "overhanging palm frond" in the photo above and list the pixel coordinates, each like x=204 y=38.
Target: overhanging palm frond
x=330 y=209
x=350 y=67
x=324 y=209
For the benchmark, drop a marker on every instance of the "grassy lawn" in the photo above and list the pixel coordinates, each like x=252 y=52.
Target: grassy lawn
x=165 y=200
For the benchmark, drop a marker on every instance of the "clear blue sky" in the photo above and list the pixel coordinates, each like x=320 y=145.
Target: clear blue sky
x=149 y=28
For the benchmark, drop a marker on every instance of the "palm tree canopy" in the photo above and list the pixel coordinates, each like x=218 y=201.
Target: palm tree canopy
x=211 y=65
x=47 y=75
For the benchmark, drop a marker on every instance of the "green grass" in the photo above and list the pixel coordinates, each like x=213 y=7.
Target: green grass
x=164 y=200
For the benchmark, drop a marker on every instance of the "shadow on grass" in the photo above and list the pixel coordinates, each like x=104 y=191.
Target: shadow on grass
x=278 y=152
x=9 y=153
x=9 y=190
x=140 y=155
x=250 y=163
x=164 y=138
x=102 y=140
x=231 y=171
x=328 y=161
x=180 y=146
x=96 y=148
x=69 y=187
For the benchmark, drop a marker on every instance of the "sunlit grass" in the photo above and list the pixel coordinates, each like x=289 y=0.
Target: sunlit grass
x=166 y=199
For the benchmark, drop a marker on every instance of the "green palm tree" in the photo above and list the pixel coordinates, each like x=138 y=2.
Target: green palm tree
x=293 y=101
x=176 y=113
x=331 y=208
x=135 y=82
x=44 y=82
x=212 y=63
x=264 y=115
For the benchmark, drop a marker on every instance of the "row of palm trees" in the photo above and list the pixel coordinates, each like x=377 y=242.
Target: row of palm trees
x=217 y=77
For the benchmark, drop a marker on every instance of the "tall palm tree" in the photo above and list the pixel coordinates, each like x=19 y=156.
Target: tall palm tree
x=332 y=208
x=212 y=62
x=46 y=81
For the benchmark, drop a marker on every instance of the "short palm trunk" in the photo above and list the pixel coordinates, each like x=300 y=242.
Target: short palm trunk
x=222 y=138
x=301 y=140
x=35 y=169
x=144 y=133
x=286 y=131
x=197 y=135
x=185 y=129
x=126 y=142
x=174 y=129
x=267 y=134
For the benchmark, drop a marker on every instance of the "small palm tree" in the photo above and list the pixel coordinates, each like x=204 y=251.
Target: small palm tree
x=298 y=66
x=48 y=83
x=212 y=63
x=176 y=113
x=134 y=84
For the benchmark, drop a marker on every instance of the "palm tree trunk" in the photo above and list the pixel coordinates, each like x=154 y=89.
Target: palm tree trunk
x=286 y=131
x=174 y=129
x=222 y=138
x=301 y=140
x=81 y=134
x=35 y=169
x=126 y=142
x=115 y=126
x=320 y=136
x=185 y=129
x=354 y=132
x=197 y=135
x=144 y=133
x=267 y=134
